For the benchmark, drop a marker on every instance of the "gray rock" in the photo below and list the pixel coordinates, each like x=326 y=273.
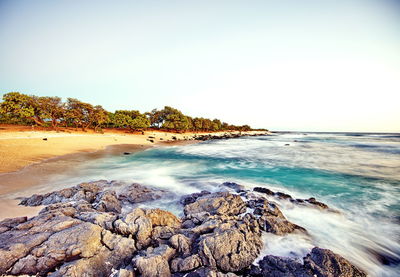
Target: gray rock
x=107 y=201
x=136 y=193
x=181 y=243
x=155 y=262
x=232 y=246
x=187 y=264
x=220 y=203
x=325 y=263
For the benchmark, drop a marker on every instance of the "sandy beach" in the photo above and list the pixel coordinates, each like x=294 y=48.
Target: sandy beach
x=31 y=157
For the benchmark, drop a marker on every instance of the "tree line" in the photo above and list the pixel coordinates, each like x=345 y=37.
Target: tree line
x=46 y=111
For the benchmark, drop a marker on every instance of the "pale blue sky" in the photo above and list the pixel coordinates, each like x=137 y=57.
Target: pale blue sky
x=320 y=65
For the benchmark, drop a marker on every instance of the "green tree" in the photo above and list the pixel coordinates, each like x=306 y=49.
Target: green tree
x=22 y=106
x=79 y=113
x=52 y=109
x=130 y=119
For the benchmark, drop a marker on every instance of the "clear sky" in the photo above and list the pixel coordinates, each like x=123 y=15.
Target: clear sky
x=318 y=65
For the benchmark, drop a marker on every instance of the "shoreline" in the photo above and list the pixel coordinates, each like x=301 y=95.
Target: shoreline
x=35 y=170
x=22 y=147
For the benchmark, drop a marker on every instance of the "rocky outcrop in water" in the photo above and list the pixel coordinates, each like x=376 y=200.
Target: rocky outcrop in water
x=320 y=262
x=93 y=230
x=312 y=202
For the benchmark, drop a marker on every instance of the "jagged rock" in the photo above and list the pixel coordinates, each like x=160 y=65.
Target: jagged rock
x=136 y=224
x=221 y=203
x=313 y=201
x=104 y=220
x=264 y=190
x=272 y=219
x=187 y=264
x=155 y=262
x=162 y=233
x=90 y=230
x=136 y=193
x=84 y=191
x=234 y=186
x=163 y=218
x=325 y=263
x=191 y=198
x=286 y=196
x=9 y=223
x=320 y=262
x=278 y=267
x=107 y=201
x=208 y=272
x=181 y=243
x=47 y=242
x=232 y=246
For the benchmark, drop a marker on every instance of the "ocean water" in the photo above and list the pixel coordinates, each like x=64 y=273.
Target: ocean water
x=357 y=174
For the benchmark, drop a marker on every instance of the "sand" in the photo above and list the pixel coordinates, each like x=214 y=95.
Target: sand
x=27 y=160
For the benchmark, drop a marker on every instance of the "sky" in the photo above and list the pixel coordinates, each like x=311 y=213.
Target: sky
x=310 y=65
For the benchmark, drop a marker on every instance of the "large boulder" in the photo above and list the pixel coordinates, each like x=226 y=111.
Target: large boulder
x=219 y=203
x=232 y=246
x=325 y=263
x=136 y=193
x=320 y=262
x=155 y=262
x=137 y=225
x=271 y=219
x=62 y=246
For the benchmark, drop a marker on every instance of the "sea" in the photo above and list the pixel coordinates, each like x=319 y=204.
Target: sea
x=357 y=174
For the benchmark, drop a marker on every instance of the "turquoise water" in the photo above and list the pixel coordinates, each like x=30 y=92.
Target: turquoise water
x=358 y=174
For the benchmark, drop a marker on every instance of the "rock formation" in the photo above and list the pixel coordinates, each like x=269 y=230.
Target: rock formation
x=95 y=229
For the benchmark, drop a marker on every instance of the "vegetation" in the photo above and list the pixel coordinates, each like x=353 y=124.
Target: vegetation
x=18 y=108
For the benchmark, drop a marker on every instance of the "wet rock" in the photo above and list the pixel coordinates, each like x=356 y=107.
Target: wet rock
x=285 y=196
x=282 y=195
x=136 y=193
x=264 y=190
x=191 y=198
x=234 y=186
x=221 y=203
x=313 y=201
x=324 y=262
x=320 y=262
x=279 y=267
x=272 y=220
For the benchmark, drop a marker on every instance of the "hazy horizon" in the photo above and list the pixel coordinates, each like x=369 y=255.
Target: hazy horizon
x=285 y=66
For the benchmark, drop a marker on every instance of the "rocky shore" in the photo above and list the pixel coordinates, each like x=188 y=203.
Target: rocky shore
x=96 y=229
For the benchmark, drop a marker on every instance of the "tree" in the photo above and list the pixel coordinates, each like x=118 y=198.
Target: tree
x=139 y=122
x=130 y=119
x=52 y=109
x=156 y=118
x=79 y=113
x=174 y=119
x=216 y=125
x=99 y=116
x=18 y=105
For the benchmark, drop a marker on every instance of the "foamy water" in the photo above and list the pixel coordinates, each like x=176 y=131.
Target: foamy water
x=357 y=174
